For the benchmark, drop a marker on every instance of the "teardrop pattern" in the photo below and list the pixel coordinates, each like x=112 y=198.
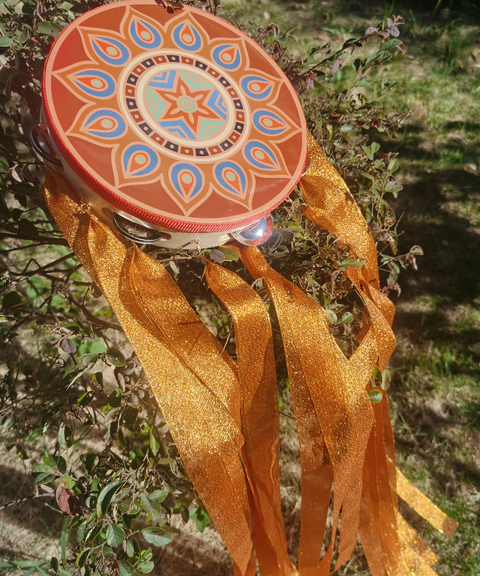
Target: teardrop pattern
x=186 y=120
x=186 y=37
x=187 y=180
x=105 y=124
x=256 y=87
x=269 y=123
x=261 y=156
x=231 y=177
x=144 y=34
x=95 y=83
x=110 y=50
x=139 y=160
x=227 y=56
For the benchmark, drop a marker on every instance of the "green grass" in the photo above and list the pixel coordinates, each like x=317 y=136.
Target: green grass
x=435 y=392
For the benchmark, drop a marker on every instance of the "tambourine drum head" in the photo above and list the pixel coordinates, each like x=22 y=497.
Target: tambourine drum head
x=173 y=116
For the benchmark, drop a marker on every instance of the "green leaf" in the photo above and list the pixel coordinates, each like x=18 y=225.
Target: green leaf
x=151 y=508
x=5 y=42
x=156 y=539
x=126 y=569
x=393 y=187
x=154 y=445
x=115 y=398
x=375 y=147
x=146 y=567
x=393 y=43
x=158 y=496
x=98 y=377
x=82 y=557
x=332 y=318
x=375 y=396
x=116 y=357
x=367 y=175
x=106 y=495
x=65 y=436
x=229 y=254
x=21 y=452
x=49 y=28
x=12 y=300
x=43 y=474
x=49 y=461
x=346 y=128
x=386 y=379
x=107 y=552
x=368 y=152
x=393 y=166
x=130 y=548
x=86 y=398
x=88 y=461
x=115 y=535
x=202 y=517
x=347 y=318
x=62 y=466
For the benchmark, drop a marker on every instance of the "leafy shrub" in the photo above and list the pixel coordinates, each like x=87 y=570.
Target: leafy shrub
x=70 y=380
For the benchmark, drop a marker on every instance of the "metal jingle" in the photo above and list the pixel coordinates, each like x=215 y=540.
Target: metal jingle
x=40 y=141
x=136 y=232
x=257 y=234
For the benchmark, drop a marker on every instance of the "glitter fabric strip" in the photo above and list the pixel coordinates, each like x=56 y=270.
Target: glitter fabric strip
x=218 y=411
x=331 y=205
x=389 y=548
x=332 y=410
x=425 y=507
x=202 y=419
x=260 y=418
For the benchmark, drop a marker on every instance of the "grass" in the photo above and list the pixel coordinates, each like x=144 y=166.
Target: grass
x=435 y=393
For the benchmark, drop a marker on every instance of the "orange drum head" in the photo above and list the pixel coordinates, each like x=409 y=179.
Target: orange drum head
x=174 y=116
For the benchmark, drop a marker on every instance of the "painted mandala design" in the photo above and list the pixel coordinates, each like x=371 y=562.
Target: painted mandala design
x=179 y=113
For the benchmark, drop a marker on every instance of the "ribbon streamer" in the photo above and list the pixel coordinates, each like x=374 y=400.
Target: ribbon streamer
x=203 y=416
x=223 y=415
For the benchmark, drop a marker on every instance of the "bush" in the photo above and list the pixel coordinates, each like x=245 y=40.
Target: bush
x=69 y=380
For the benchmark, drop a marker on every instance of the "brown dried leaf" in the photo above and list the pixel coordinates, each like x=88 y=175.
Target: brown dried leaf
x=337 y=65
x=67 y=501
x=393 y=31
x=67 y=346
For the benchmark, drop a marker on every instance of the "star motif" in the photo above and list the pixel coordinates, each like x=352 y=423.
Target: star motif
x=187 y=104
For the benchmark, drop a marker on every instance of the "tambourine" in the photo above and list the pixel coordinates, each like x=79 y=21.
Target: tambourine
x=174 y=126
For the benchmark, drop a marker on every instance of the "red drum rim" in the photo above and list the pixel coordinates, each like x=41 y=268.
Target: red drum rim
x=185 y=224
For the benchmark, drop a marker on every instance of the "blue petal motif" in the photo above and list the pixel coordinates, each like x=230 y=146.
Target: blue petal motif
x=259 y=114
x=249 y=155
x=119 y=60
x=177 y=36
x=196 y=175
x=217 y=57
x=220 y=177
x=248 y=85
x=130 y=166
x=155 y=41
x=106 y=89
x=117 y=130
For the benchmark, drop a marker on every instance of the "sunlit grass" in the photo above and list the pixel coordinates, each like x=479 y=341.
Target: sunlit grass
x=436 y=385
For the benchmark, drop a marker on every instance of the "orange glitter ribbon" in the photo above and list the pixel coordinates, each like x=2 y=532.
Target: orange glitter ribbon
x=224 y=416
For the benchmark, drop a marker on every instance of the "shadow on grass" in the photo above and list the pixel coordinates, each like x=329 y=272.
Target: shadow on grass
x=25 y=520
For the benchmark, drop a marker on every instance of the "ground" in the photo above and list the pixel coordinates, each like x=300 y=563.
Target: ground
x=435 y=393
